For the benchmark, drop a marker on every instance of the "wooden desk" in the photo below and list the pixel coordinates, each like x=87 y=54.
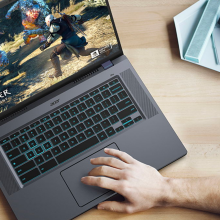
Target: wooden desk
x=189 y=96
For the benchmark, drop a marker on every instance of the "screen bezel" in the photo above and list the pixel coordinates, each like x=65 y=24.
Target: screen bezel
x=68 y=80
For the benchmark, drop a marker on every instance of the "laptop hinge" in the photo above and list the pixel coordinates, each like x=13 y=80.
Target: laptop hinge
x=107 y=65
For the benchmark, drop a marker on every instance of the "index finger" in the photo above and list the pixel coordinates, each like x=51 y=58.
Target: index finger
x=120 y=154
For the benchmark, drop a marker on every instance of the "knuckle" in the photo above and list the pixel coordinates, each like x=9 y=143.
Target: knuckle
x=129 y=210
x=101 y=169
x=100 y=182
x=111 y=160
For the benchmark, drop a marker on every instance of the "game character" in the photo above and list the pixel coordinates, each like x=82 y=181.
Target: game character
x=3 y=59
x=71 y=43
x=33 y=16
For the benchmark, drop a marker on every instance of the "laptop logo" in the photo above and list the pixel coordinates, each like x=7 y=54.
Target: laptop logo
x=54 y=103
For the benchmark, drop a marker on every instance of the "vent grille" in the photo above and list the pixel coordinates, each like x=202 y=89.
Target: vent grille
x=7 y=178
x=139 y=94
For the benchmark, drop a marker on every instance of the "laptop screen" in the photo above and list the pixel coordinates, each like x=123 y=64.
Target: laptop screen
x=43 y=42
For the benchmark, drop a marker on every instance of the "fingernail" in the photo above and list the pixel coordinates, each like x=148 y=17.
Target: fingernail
x=91 y=159
x=82 y=179
x=106 y=149
x=100 y=207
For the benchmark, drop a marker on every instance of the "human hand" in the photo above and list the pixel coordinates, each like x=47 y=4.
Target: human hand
x=142 y=186
x=8 y=16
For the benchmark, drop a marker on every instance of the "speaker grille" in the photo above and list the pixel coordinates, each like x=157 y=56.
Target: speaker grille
x=7 y=178
x=139 y=94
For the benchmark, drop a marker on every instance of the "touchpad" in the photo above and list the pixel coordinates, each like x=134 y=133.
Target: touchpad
x=83 y=194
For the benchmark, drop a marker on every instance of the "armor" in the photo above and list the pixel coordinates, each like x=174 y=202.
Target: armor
x=33 y=16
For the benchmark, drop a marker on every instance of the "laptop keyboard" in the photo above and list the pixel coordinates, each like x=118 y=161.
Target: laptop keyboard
x=70 y=130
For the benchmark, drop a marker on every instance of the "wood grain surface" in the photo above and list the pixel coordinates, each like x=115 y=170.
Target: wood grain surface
x=189 y=96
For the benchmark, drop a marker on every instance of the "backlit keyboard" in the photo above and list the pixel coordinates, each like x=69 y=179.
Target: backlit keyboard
x=70 y=130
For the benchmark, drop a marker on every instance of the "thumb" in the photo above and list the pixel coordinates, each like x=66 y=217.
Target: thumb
x=115 y=206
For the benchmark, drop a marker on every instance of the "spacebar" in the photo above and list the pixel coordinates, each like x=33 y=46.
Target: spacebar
x=77 y=149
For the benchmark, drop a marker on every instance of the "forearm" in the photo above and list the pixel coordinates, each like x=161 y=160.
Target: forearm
x=195 y=193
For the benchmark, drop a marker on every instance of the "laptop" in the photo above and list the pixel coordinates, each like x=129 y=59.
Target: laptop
x=50 y=127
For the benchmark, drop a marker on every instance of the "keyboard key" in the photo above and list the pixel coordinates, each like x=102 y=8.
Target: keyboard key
x=102 y=88
x=14 y=153
x=129 y=123
x=64 y=136
x=106 y=94
x=90 y=103
x=55 y=141
x=49 y=134
x=76 y=102
x=105 y=124
x=81 y=107
x=36 y=123
x=97 y=118
x=32 y=143
x=7 y=147
x=98 y=108
x=127 y=112
x=39 y=160
x=124 y=104
x=66 y=125
x=23 y=138
x=84 y=98
x=15 y=142
x=98 y=98
x=46 y=118
x=48 y=166
x=14 y=135
x=77 y=149
x=94 y=92
x=90 y=112
x=88 y=123
x=54 y=114
x=24 y=130
x=5 y=140
x=97 y=128
x=32 y=133
x=126 y=120
x=47 y=155
x=102 y=136
x=65 y=116
x=57 y=120
x=23 y=148
x=72 y=142
x=74 y=111
x=72 y=132
x=24 y=168
x=122 y=95
x=81 y=127
x=39 y=150
x=65 y=108
x=82 y=116
x=30 y=155
x=112 y=83
x=106 y=103
x=64 y=146
x=18 y=161
x=55 y=151
x=47 y=145
x=114 y=119
x=89 y=133
x=40 y=139
x=121 y=128
x=74 y=121
x=114 y=99
x=115 y=89
x=57 y=130
x=49 y=124
x=30 y=175
x=110 y=131
x=113 y=110
x=81 y=137
x=105 y=114
x=139 y=118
